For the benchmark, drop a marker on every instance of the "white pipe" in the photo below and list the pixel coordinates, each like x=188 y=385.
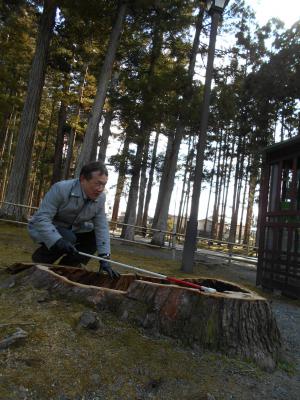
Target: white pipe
x=203 y=288
x=124 y=265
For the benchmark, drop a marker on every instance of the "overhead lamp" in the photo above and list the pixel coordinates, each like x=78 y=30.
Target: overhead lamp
x=216 y=5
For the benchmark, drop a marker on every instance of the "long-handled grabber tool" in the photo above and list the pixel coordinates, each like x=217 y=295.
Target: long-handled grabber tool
x=161 y=276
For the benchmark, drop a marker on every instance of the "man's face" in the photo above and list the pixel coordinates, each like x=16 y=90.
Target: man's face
x=93 y=187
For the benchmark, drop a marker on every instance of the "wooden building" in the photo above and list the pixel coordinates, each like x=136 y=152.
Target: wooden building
x=279 y=220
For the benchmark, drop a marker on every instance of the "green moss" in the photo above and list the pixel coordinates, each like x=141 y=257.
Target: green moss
x=288 y=367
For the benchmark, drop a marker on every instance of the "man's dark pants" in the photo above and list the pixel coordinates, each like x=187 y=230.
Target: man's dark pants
x=84 y=242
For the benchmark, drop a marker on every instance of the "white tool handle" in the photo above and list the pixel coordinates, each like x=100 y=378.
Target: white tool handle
x=124 y=265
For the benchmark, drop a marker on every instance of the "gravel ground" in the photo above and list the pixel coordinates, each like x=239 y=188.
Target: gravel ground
x=288 y=320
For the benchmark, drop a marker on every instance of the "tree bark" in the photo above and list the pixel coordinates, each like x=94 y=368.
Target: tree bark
x=186 y=204
x=221 y=190
x=72 y=135
x=237 y=187
x=106 y=132
x=169 y=170
x=186 y=170
x=40 y=160
x=7 y=118
x=166 y=187
x=243 y=210
x=170 y=140
x=16 y=190
x=253 y=180
x=150 y=183
x=234 y=321
x=88 y=152
x=59 y=144
x=225 y=195
x=143 y=184
x=144 y=131
x=31 y=187
x=209 y=195
x=121 y=180
x=69 y=155
x=218 y=188
x=6 y=168
x=130 y=214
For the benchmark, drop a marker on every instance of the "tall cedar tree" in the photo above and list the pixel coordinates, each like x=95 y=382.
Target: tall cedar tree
x=17 y=184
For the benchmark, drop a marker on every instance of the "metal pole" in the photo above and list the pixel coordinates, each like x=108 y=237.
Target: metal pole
x=192 y=225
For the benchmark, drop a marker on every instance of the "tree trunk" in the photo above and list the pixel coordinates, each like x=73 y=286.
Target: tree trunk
x=235 y=321
x=130 y=214
x=165 y=188
x=72 y=135
x=41 y=160
x=150 y=183
x=108 y=118
x=106 y=132
x=7 y=118
x=6 y=168
x=243 y=210
x=69 y=155
x=187 y=169
x=170 y=141
x=221 y=191
x=254 y=178
x=88 y=153
x=187 y=177
x=169 y=171
x=6 y=142
x=209 y=195
x=31 y=188
x=225 y=197
x=121 y=180
x=59 y=144
x=186 y=204
x=16 y=190
x=144 y=131
x=237 y=187
x=214 y=224
x=143 y=184
x=235 y=210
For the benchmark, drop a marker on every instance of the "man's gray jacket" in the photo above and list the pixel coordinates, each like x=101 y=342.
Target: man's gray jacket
x=66 y=205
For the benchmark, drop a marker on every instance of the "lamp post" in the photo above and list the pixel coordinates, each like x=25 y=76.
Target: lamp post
x=215 y=9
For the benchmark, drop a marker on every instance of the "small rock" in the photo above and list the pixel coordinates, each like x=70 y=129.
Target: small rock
x=210 y=396
x=96 y=379
x=19 y=335
x=89 y=319
x=44 y=297
x=154 y=384
x=8 y=283
x=63 y=397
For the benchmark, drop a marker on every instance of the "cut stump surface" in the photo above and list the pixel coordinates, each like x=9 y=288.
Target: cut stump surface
x=233 y=320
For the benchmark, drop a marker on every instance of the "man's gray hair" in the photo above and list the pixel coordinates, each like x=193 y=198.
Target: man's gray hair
x=88 y=169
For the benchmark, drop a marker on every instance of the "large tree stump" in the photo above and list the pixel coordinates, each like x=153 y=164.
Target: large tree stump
x=234 y=320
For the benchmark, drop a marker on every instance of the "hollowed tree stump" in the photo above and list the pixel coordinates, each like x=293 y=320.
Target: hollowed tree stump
x=234 y=320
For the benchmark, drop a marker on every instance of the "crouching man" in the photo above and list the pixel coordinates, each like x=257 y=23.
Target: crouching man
x=71 y=214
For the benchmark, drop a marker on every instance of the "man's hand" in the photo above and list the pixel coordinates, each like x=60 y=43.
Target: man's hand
x=105 y=266
x=65 y=247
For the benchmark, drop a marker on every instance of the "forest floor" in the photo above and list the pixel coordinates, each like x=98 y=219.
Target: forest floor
x=61 y=360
